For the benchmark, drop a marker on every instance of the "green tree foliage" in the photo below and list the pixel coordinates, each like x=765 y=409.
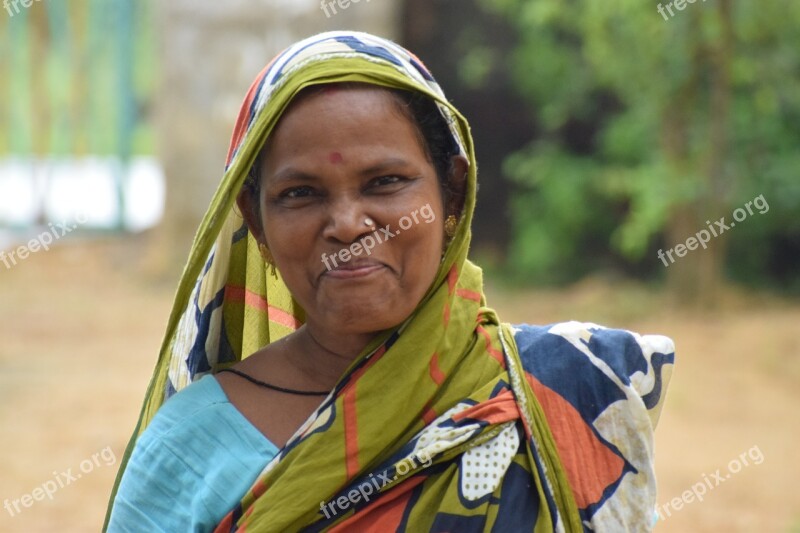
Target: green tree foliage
x=653 y=124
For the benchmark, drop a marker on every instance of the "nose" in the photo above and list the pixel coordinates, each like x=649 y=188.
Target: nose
x=347 y=222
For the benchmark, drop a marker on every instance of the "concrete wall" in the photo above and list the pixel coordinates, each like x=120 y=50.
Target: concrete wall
x=210 y=52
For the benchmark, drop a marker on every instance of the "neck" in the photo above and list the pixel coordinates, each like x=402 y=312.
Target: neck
x=327 y=355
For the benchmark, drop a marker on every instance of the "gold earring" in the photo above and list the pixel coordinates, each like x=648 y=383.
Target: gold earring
x=450 y=225
x=266 y=255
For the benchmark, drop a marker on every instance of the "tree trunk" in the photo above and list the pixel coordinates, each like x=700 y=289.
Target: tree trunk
x=697 y=277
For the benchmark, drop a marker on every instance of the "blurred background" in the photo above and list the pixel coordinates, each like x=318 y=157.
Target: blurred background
x=608 y=135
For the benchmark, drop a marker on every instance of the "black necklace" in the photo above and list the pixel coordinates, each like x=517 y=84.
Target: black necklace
x=260 y=383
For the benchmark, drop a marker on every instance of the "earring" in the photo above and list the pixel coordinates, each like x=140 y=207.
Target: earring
x=450 y=225
x=266 y=255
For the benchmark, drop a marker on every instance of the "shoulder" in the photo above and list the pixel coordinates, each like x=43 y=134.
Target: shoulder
x=196 y=422
x=569 y=356
x=190 y=465
x=182 y=409
x=624 y=351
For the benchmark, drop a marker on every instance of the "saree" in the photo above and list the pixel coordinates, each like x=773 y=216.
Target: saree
x=435 y=425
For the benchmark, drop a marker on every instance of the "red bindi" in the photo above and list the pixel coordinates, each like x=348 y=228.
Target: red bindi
x=335 y=158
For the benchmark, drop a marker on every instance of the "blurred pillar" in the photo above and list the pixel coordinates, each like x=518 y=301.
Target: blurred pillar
x=210 y=51
x=124 y=23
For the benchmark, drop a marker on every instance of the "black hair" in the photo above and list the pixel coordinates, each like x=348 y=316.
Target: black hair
x=434 y=136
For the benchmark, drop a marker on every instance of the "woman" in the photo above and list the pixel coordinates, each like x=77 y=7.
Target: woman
x=353 y=377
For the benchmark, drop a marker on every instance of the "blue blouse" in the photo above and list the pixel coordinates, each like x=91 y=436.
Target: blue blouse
x=191 y=466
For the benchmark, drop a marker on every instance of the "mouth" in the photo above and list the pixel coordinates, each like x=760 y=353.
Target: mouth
x=358 y=268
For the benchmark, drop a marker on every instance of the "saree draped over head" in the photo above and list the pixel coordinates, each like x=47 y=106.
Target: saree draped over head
x=435 y=426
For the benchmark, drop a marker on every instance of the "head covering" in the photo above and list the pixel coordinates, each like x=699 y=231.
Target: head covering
x=446 y=384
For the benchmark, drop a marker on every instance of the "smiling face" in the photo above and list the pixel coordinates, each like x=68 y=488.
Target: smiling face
x=337 y=158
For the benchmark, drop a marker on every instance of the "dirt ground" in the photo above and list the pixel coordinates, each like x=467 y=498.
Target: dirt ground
x=80 y=328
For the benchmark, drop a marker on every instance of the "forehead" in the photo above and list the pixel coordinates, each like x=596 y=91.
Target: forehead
x=345 y=98
x=344 y=116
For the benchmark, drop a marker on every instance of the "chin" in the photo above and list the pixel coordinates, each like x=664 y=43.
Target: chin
x=363 y=315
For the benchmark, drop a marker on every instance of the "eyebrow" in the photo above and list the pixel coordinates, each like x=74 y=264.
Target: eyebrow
x=290 y=173
x=390 y=163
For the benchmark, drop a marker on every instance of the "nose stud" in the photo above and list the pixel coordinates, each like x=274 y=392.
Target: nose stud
x=369 y=223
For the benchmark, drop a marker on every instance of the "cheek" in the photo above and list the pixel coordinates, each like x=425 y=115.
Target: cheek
x=421 y=232
x=291 y=243
x=421 y=247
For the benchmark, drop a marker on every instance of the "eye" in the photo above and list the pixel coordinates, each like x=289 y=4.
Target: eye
x=297 y=192
x=388 y=180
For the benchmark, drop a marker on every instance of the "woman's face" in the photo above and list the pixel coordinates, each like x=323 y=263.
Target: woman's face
x=338 y=157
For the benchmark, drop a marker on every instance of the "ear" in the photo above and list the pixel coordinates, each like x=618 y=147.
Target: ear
x=248 y=206
x=457 y=186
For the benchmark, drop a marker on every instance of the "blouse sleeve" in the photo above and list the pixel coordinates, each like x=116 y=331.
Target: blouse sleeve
x=191 y=465
x=602 y=391
x=152 y=495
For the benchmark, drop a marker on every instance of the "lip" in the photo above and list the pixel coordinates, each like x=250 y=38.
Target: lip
x=354 y=269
